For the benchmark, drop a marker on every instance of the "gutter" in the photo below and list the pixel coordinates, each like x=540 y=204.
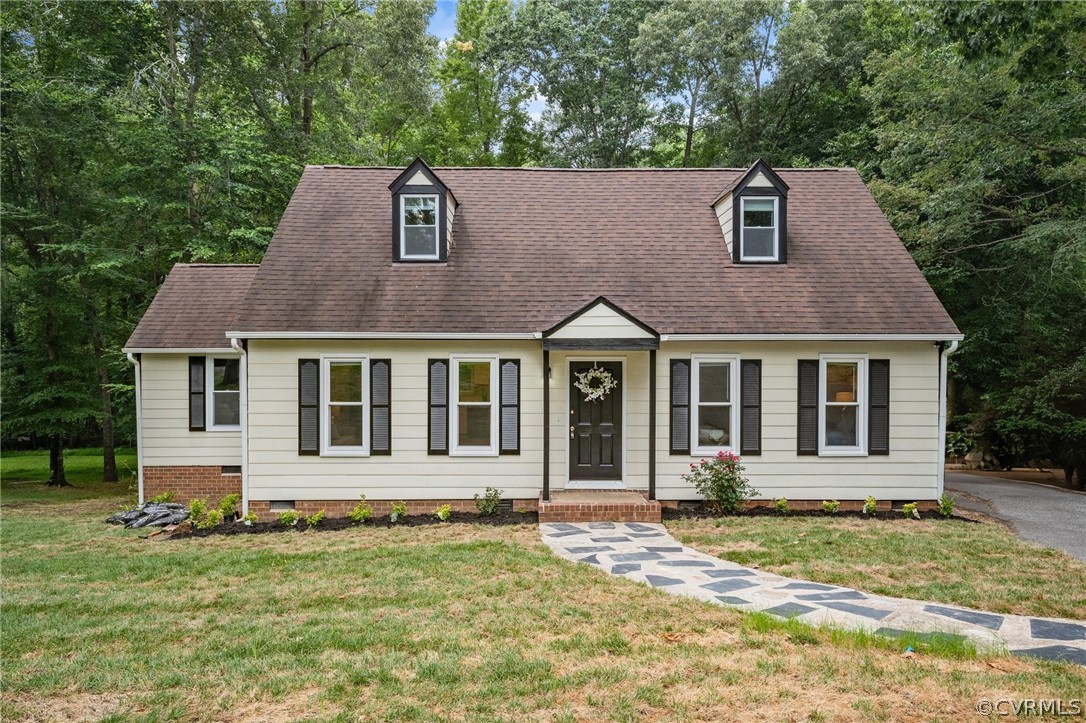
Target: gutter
x=239 y=346
x=944 y=352
x=134 y=358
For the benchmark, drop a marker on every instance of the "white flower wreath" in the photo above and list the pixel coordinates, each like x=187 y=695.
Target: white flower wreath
x=595 y=383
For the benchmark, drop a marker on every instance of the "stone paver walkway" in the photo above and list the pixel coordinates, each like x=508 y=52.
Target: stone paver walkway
x=647 y=553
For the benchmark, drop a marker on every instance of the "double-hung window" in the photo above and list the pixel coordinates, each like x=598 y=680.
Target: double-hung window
x=224 y=399
x=842 y=399
x=758 y=237
x=473 y=409
x=714 y=413
x=345 y=406
x=419 y=227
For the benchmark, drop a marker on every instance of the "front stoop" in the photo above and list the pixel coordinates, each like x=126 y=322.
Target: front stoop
x=598 y=506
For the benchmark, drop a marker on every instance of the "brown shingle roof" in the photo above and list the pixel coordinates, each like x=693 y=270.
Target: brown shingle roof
x=195 y=307
x=533 y=245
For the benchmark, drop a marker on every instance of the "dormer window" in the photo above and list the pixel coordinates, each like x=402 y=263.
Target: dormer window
x=758 y=238
x=419 y=238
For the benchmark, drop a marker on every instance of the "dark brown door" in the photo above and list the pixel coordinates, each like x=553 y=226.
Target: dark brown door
x=595 y=443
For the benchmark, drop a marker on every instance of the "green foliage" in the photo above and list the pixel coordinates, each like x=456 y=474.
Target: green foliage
x=398 y=511
x=488 y=504
x=443 y=513
x=197 y=510
x=314 y=519
x=831 y=507
x=909 y=509
x=720 y=481
x=870 y=505
x=946 y=504
x=250 y=518
x=289 y=518
x=166 y=496
x=213 y=518
x=228 y=505
x=362 y=511
x=958 y=444
x=780 y=504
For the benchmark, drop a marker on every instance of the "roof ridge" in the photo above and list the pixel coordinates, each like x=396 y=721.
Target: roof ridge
x=572 y=170
x=206 y=265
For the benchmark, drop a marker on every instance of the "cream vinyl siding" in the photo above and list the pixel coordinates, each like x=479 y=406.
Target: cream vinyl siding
x=167 y=440
x=724 y=216
x=600 y=322
x=760 y=181
x=909 y=472
x=277 y=472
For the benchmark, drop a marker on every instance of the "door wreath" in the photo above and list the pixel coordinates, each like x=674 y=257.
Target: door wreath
x=595 y=383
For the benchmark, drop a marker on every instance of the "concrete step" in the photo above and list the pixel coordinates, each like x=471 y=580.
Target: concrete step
x=598 y=506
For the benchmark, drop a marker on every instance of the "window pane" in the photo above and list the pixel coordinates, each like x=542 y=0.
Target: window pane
x=474 y=426
x=841 y=382
x=841 y=426
x=713 y=382
x=345 y=380
x=475 y=382
x=227 y=374
x=227 y=408
x=758 y=242
x=758 y=213
x=345 y=429
x=420 y=240
x=420 y=211
x=714 y=426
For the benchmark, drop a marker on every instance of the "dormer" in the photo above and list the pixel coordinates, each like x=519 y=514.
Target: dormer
x=422 y=216
x=753 y=215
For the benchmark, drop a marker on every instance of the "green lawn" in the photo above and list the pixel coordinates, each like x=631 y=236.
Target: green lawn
x=22 y=476
x=983 y=566
x=447 y=622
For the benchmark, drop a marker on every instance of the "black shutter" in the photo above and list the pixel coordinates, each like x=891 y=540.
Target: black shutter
x=380 y=406
x=309 y=395
x=750 y=413
x=680 y=406
x=807 y=431
x=878 y=420
x=439 y=406
x=197 y=394
x=510 y=406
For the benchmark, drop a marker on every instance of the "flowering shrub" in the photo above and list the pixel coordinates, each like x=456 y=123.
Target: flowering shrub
x=870 y=505
x=721 y=482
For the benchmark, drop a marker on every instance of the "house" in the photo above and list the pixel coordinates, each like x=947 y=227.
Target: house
x=420 y=334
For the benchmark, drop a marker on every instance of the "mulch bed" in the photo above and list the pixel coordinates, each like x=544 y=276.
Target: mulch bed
x=343 y=523
x=701 y=512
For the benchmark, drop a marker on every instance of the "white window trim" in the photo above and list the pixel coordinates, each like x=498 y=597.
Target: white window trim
x=209 y=395
x=860 y=450
x=776 y=229
x=327 y=450
x=455 y=449
x=437 y=227
x=695 y=399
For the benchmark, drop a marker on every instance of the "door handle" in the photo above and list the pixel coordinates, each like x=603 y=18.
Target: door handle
x=571 y=430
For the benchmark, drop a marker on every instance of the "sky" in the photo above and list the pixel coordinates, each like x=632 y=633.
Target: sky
x=443 y=21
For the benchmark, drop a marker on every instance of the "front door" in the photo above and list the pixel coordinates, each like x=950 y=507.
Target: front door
x=595 y=431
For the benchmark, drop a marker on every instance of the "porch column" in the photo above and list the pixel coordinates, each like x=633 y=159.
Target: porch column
x=546 y=425
x=652 y=424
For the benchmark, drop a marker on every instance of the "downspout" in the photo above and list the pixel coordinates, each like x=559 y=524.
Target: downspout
x=944 y=352
x=135 y=359
x=243 y=370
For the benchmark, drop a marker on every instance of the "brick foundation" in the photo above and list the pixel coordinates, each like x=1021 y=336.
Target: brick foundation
x=189 y=483
x=340 y=508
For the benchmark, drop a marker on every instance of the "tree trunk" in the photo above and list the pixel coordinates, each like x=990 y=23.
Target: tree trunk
x=109 y=457
x=690 y=122
x=56 y=463
x=1080 y=472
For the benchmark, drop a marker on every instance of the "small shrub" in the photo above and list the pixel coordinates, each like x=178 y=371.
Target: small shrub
x=213 y=518
x=909 y=510
x=362 y=511
x=166 y=496
x=228 y=505
x=442 y=513
x=249 y=518
x=870 y=505
x=314 y=519
x=946 y=505
x=398 y=511
x=780 y=504
x=197 y=510
x=720 y=481
x=489 y=502
x=831 y=507
x=289 y=518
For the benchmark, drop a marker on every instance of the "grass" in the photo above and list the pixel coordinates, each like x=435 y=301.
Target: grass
x=23 y=476
x=438 y=623
x=983 y=566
